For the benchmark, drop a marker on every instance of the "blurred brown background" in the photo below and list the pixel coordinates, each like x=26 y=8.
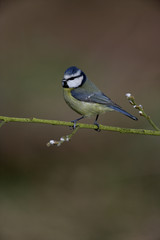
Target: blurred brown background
x=100 y=185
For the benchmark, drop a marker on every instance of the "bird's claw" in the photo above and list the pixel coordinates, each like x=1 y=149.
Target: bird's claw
x=74 y=126
x=97 y=129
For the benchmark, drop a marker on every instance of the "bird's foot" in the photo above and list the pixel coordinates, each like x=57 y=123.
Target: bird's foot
x=74 y=126
x=75 y=122
x=97 y=129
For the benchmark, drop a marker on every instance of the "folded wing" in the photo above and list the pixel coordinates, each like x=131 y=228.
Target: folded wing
x=100 y=98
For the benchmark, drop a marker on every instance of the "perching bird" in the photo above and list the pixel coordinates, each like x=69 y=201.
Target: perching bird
x=85 y=98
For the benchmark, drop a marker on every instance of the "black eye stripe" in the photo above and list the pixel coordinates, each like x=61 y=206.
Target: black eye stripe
x=67 y=83
x=72 y=78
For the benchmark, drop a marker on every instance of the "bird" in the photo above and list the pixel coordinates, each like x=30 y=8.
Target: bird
x=85 y=98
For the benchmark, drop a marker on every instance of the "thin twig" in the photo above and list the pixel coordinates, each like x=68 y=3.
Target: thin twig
x=141 y=111
x=63 y=139
x=2 y=123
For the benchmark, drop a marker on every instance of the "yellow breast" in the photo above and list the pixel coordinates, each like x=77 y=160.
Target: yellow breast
x=84 y=108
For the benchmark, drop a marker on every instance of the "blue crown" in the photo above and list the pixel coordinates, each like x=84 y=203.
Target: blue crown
x=72 y=70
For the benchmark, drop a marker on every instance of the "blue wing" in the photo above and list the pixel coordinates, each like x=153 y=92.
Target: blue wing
x=87 y=96
x=92 y=97
x=98 y=97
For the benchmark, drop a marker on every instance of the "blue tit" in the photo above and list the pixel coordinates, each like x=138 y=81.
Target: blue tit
x=85 y=98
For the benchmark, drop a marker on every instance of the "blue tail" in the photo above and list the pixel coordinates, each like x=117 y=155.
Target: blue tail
x=118 y=109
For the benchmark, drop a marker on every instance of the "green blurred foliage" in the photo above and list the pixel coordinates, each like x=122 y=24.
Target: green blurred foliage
x=100 y=185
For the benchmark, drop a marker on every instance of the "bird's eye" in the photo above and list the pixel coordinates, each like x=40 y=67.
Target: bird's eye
x=71 y=78
x=74 y=77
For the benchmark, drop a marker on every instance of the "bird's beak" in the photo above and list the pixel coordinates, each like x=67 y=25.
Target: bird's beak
x=64 y=83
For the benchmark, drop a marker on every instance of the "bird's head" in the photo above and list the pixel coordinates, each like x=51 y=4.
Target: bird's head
x=73 y=78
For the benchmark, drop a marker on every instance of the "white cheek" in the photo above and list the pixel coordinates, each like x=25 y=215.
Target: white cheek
x=75 y=83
